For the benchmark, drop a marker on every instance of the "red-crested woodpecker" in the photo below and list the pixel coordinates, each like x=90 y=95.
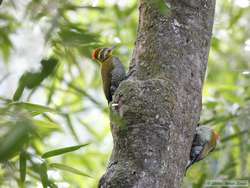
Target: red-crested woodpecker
x=204 y=142
x=112 y=70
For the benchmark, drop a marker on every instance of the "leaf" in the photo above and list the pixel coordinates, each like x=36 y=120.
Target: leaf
x=48 y=66
x=71 y=127
x=34 y=109
x=211 y=104
x=69 y=169
x=43 y=174
x=90 y=129
x=6 y=48
x=51 y=91
x=73 y=35
x=62 y=150
x=18 y=93
x=22 y=165
x=29 y=80
x=14 y=140
x=46 y=124
x=36 y=168
x=236 y=17
x=32 y=80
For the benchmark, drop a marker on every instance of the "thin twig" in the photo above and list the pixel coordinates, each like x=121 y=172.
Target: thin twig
x=86 y=7
x=81 y=91
x=235 y=135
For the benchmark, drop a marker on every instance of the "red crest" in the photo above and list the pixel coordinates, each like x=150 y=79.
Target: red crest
x=95 y=53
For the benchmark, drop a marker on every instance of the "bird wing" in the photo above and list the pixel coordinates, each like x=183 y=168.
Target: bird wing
x=118 y=75
x=113 y=72
x=106 y=88
x=106 y=79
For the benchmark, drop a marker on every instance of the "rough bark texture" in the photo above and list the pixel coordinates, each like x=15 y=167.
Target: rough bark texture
x=160 y=102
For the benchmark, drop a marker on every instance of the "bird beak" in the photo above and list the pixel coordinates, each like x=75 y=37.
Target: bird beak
x=112 y=48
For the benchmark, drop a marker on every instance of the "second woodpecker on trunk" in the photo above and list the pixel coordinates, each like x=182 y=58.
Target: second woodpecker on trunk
x=204 y=142
x=112 y=70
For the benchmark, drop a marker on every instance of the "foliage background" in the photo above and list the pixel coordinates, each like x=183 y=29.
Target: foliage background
x=63 y=105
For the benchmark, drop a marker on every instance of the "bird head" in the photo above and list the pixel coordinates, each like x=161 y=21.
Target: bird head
x=102 y=54
x=208 y=134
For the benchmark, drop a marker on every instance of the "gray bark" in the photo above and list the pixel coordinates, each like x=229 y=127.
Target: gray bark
x=160 y=102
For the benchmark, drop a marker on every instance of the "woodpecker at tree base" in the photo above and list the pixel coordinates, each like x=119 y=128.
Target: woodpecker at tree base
x=204 y=142
x=112 y=70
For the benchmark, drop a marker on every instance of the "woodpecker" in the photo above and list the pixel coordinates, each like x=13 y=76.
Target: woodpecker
x=112 y=70
x=204 y=142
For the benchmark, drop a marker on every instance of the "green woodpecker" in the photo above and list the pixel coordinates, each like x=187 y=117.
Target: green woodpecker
x=112 y=70
x=204 y=142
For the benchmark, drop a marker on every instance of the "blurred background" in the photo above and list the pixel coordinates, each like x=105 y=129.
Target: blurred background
x=54 y=123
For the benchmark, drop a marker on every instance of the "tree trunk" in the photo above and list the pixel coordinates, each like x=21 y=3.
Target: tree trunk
x=159 y=104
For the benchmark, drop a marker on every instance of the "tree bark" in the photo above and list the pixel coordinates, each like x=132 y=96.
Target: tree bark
x=159 y=104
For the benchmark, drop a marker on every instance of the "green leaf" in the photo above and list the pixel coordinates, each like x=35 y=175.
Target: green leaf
x=51 y=91
x=236 y=17
x=71 y=127
x=91 y=130
x=62 y=150
x=73 y=35
x=69 y=169
x=14 y=139
x=34 y=109
x=6 y=48
x=18 y=93
x=43 y=174
x=48 y=67
x=31 y=80
x=22 y=165
x=46 y=124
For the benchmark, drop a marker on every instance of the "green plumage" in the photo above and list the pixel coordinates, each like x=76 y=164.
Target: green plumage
x=106 y=69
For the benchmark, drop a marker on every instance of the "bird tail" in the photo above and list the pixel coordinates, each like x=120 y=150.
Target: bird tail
x=189 y=163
